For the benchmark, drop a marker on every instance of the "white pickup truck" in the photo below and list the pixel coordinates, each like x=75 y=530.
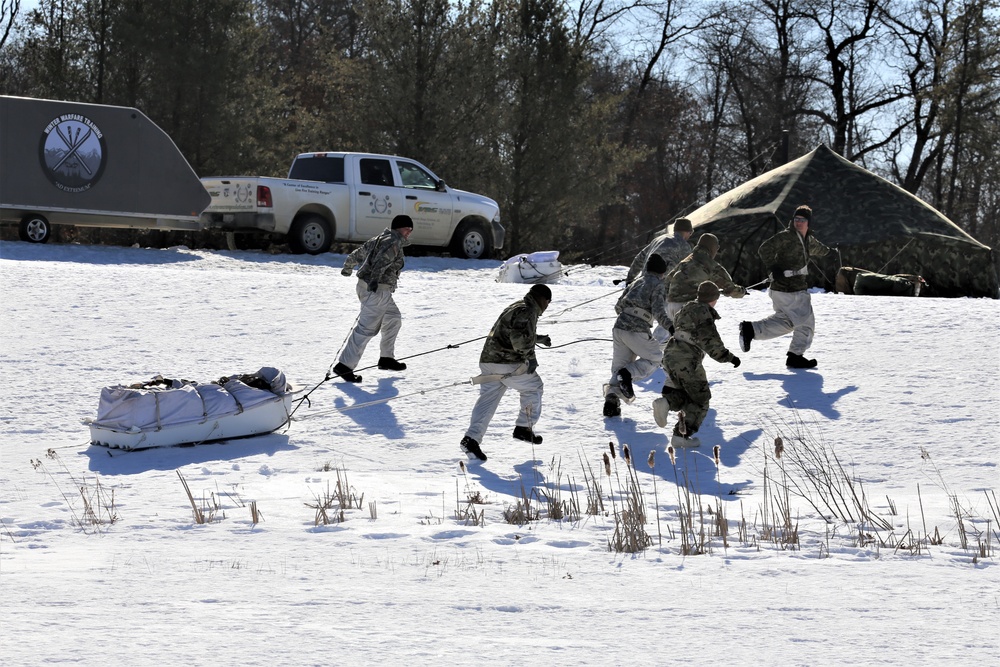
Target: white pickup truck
x=351 y=197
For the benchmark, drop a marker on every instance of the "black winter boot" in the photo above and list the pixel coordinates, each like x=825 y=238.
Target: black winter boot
x=526 y=434
x=390 y=364
x=472 y=449
x=798 y=361
x=346 y=373
x=625 y=383
x=612 y=406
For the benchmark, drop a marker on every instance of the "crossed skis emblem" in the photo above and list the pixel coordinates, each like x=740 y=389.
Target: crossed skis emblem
x=73 y=144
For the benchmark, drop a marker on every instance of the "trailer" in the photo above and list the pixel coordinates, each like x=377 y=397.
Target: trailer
x=92 y=165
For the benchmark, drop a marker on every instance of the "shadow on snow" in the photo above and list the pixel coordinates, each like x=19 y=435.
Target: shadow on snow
x=107 y=461
x=697 y=465
x=376 y=418
x=805 y=391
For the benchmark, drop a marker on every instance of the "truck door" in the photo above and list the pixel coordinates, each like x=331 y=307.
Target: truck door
x=378 y=200
x=431 y=210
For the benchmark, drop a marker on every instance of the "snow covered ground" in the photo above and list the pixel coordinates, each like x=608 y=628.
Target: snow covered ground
x=906 y=398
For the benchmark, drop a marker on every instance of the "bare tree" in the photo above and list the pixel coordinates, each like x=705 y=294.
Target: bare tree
x=755 y=79
x=848 y=44
x=921 y=32
x=950 y=56
x=8 y=14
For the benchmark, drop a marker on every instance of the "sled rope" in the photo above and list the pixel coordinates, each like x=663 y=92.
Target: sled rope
x=329 y=371
x=581 y=340
x=483 y=379
x=582 y=303
x=330 y=375
x=340 y=349
x=894 y=256
x=757 y=284
x=589 y=319
x=420 y=354
x=822 y=273
x=380 y=401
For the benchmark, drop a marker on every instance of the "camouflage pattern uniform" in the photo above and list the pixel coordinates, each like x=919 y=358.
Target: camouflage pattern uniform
x=510 y=343
x=693 y=270
x=635 y=349
x=787 y=254
x=671 y=247
x=381 y=259
x=694 y=336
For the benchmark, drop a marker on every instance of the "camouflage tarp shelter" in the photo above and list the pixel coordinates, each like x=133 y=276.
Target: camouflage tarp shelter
x=875 y=225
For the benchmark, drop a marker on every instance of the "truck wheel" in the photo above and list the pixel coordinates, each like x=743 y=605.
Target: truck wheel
x=34 y=229
x=472 y=240
x=310 y=234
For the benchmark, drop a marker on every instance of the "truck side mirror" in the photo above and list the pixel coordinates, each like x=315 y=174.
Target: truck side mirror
x=440 y=186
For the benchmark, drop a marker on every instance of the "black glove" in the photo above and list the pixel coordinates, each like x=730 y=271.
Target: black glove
x=544 y=340
x=373 y=286
x=735 y=361
x=532 y=365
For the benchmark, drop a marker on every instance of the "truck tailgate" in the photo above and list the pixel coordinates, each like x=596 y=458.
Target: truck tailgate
x=235 y=194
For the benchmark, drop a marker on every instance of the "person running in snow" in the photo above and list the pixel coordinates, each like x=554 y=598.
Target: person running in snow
x=636 y=354
x=381 y=260
x=671 y=247
x=695 y=269
x=786 y=254
x=686 y=388
x=509 y=350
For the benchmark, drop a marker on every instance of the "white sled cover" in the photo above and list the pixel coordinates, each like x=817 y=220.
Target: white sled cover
x=536 y=267
x=179 y=406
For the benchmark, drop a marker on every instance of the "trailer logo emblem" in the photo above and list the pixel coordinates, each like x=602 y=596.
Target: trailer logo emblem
x=72 y=152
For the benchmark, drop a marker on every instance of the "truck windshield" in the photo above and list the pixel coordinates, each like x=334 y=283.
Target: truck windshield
x=326 y=169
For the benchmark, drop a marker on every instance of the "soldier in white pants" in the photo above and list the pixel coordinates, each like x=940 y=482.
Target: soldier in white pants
x=787 y=255
x=636 y=353
x=509 y=351
x=792 y=313
x=528 y=384
x=379 y=313
x=379 y=261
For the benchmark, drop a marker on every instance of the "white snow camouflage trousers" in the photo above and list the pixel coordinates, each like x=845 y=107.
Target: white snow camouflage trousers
x=528 y=384
x=792 y=312
x=636 y=351
x=378 y=313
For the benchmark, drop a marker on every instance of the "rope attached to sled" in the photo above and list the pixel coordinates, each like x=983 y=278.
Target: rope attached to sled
x=330 y=375
x=479 y=379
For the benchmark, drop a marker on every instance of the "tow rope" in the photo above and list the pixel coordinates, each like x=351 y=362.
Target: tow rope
x=330 y=374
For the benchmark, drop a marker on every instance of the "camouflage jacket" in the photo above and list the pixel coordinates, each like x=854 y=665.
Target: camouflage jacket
x=672 y=248
x=788 y=251
x=695 y=333
x=692 y=271
x=512 y=338
x=381 y=259
x=647 y=296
